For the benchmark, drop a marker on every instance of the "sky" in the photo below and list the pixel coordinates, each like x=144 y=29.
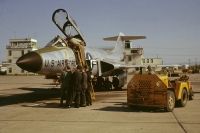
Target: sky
x=172 y=27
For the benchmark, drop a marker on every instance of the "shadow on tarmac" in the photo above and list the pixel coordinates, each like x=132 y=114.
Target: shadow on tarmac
x=35 y=94
x=123 y=107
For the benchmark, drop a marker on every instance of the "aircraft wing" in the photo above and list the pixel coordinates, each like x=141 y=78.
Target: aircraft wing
x=67 y=25
x=121 y=65
x=111 y=67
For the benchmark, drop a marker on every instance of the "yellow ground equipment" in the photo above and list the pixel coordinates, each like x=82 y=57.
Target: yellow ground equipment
x=158 y=91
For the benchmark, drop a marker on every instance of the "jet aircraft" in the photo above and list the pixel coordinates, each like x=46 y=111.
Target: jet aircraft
x=59 y=53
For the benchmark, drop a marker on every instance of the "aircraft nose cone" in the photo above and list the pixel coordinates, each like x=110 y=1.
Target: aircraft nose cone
x=31 y=62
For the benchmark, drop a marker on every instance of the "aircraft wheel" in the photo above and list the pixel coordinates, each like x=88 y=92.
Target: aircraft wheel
x=184 y=98
x=170 y=101
x=115 y=83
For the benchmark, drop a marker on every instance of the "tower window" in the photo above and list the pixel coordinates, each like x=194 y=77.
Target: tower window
x=129 y=58
x=143 y=60
x=134 y=51
x=22 y=52
x=10 y=70
x=9 y=53
x=127 y=44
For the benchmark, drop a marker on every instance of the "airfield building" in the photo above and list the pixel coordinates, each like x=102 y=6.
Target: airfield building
x=152 y=61
x=135 y=56
x=15 y=49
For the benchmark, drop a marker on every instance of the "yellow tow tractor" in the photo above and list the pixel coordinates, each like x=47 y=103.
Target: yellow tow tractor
x=157 y=90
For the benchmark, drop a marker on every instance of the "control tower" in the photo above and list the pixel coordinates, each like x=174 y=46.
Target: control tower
x=15 y=49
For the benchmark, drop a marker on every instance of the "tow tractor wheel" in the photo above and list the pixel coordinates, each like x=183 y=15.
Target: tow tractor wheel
x=184 y=98
x=191 y=94
x=170 y=101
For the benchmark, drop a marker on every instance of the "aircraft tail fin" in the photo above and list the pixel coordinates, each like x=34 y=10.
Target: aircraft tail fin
x=118 y=51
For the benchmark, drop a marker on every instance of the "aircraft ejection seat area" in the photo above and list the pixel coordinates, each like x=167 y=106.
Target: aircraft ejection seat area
x=73 y=35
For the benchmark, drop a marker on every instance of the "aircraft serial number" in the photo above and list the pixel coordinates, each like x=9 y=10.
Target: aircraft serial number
x=59 y=63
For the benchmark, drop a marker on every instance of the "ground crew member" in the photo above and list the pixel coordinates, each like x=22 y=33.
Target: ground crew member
x=89 y=89
x=69 y=87
x=77 y=85
x=84 y=87
x=63 y=87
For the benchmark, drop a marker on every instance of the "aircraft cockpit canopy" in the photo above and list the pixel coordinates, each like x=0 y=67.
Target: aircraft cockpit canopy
x=58 y=42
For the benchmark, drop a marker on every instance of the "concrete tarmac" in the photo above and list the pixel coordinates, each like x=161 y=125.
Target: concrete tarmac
x=30 y=104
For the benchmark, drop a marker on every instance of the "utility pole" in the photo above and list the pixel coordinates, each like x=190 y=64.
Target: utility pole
x=189 y=62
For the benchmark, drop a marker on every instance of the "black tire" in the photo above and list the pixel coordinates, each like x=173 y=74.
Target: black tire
x=115 y=83
x=170 y=101
x=184 y=98
x=191 y=95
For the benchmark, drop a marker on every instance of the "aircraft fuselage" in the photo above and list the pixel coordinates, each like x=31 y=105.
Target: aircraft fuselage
x=48 y=60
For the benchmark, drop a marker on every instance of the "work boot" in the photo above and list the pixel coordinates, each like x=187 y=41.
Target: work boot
x=83 y=105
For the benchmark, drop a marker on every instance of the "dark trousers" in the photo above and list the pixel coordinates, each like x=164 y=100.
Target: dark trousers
x=83 y=98
x=77 y=99
x=70 y=97
x=88 y=97
x=63 y=96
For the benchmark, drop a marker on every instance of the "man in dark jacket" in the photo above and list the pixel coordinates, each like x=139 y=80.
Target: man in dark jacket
x=63 y=87
x=77 y=75
x=66 y=85
x=89 y=89
x=69 y=87
x=84 y=87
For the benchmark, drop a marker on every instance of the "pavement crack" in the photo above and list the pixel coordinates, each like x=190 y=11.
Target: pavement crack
x=179 y=123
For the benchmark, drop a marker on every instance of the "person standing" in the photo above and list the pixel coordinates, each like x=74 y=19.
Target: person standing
x=77 y=85
x=63 y=87
x=89 y=89
x=84 y=87
x=69 y=87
